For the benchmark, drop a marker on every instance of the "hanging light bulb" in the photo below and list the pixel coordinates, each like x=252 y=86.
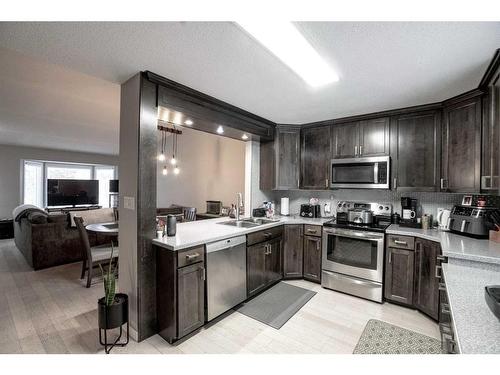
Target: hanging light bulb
x=164 y=172
x=176 y=170
x=173 y=161
x=161 y=157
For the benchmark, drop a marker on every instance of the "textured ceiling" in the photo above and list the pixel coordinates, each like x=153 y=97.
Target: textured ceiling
x=381 y=65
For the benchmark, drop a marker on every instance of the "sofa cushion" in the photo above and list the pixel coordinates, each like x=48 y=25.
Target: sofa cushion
x=101 y=215
x=36 y=217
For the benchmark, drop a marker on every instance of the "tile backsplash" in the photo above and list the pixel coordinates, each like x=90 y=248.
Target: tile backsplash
x=428 y=202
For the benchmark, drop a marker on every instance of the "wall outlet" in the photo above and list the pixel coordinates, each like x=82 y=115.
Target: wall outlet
x=129 y=203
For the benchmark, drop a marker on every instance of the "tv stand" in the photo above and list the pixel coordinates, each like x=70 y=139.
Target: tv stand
x=72 y=208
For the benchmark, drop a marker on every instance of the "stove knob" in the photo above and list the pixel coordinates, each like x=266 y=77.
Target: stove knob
x=387 y=208
x=380 y=207
x=339 y=205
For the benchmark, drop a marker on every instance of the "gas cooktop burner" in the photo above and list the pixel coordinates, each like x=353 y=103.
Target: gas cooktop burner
x=375 y=227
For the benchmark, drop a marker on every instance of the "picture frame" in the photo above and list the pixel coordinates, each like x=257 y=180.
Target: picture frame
x=467 y=200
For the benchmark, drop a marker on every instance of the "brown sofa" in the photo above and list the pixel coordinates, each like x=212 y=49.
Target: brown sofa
x=55 y=242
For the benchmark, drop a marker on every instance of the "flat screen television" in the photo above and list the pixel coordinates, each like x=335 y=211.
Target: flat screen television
x=72 y=192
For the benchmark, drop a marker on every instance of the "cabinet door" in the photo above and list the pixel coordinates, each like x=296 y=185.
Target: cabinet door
x=256 y=268
x=274 y=269
x=399 y=267
x=427 y=273
x=267 y=172
x=416 y=149
x=293 y=250
x=312 y=258
x=374 y=137
x=490 y=141
x=462 y=147
x=190 y=298
x=315 y=157
x=287 y=158
x=345 y=140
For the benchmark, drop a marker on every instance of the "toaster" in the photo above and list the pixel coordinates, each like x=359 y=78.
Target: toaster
x=310 y=210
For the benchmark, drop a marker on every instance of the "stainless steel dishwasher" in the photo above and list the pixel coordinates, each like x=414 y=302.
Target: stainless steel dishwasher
x=226 y=275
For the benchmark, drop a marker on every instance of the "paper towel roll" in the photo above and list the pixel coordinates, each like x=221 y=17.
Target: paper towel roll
x=285 y=206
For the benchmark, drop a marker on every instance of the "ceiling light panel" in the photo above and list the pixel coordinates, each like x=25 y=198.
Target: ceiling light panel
x=289 y=45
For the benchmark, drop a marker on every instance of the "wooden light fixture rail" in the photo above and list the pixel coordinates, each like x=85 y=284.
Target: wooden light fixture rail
x=167 y=128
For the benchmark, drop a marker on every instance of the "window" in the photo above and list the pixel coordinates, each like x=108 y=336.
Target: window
x=36 y=173
x=104 y=174
x=33 y=183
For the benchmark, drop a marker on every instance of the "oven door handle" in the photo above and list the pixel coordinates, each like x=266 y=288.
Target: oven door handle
x=352 y=280
x=364 y=236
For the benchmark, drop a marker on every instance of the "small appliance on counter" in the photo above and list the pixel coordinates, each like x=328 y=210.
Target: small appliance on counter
x=472 y=221
x=443 y=219
x=409 y=213
x=259 y=212
x=310 y=210
x=492 y=296
x=214 y=207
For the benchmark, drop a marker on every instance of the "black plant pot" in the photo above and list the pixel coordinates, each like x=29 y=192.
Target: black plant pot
x=115 y=315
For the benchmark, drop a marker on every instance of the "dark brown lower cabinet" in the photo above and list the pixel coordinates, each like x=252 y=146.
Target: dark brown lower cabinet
x=312 y=258
x=190 y=298
x=399 y=268
x=180 y=291
x=293 y=251
x=427 y=275
x=264 y=265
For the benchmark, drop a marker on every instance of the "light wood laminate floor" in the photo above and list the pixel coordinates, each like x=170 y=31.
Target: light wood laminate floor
x=50 y=311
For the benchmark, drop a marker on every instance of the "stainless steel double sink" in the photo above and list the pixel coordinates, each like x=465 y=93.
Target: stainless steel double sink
x=249 y=222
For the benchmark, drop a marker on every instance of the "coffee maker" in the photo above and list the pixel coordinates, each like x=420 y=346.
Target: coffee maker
x=409 y=215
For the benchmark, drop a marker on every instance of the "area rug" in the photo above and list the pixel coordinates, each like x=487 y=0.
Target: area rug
x=277 y=305
x=383 y=338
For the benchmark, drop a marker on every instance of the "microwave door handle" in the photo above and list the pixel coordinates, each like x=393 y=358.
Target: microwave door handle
x=375 y=173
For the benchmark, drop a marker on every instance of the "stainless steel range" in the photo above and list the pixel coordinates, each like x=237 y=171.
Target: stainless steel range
x=353 y=249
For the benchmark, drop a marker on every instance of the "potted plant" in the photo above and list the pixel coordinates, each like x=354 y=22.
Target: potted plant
x=113 y=307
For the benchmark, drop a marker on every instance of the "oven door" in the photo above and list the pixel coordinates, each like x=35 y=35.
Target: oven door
x=363 y=173
x=355 y=253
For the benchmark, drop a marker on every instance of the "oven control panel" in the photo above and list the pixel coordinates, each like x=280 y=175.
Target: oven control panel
x=376 y=208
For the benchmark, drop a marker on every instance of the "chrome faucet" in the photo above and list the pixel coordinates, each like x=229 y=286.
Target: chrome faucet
x=239 y=205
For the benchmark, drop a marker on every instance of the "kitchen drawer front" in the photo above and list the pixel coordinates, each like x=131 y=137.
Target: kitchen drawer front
x=190 y=256
x=312 y=230
x=264 y=235
x=401 y=242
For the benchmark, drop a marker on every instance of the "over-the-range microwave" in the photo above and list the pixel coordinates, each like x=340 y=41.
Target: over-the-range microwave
x=360 y=173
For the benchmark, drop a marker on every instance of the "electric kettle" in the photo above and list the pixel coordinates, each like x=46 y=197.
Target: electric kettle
x=443 y=219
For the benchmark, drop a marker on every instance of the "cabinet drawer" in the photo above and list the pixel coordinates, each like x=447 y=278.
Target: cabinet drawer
x=401 y=242
x=312 y=230
x=264 y=235
x=190 y=256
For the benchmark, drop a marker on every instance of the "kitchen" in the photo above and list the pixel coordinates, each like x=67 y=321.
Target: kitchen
x=378 y=185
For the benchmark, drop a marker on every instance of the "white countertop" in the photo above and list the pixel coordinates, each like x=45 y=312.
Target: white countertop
x=454 y=245
x=477 y=329
x=200 y=232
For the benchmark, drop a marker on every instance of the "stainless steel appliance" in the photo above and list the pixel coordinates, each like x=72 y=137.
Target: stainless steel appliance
x=310 y=210
x=226 y=275
x=363 y=173
x=471 y=221
x=214 y=207
x=353 y=252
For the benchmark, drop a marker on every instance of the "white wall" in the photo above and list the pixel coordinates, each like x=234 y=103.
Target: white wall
x=212 y=168
x=10 y=169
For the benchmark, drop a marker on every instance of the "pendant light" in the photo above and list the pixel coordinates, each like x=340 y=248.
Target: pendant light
x=161 y=157
x=173 y=161
x=165 y=171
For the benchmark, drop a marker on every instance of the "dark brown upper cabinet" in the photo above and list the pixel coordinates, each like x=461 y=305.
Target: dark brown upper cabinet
x=315 y=157
x=490 y=136
x=361 y=138
x=280 y=160
x=416 y=151
x=461 y=155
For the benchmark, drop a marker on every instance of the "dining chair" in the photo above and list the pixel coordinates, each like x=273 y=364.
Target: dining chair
x=93 y=256
x=189 y=213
